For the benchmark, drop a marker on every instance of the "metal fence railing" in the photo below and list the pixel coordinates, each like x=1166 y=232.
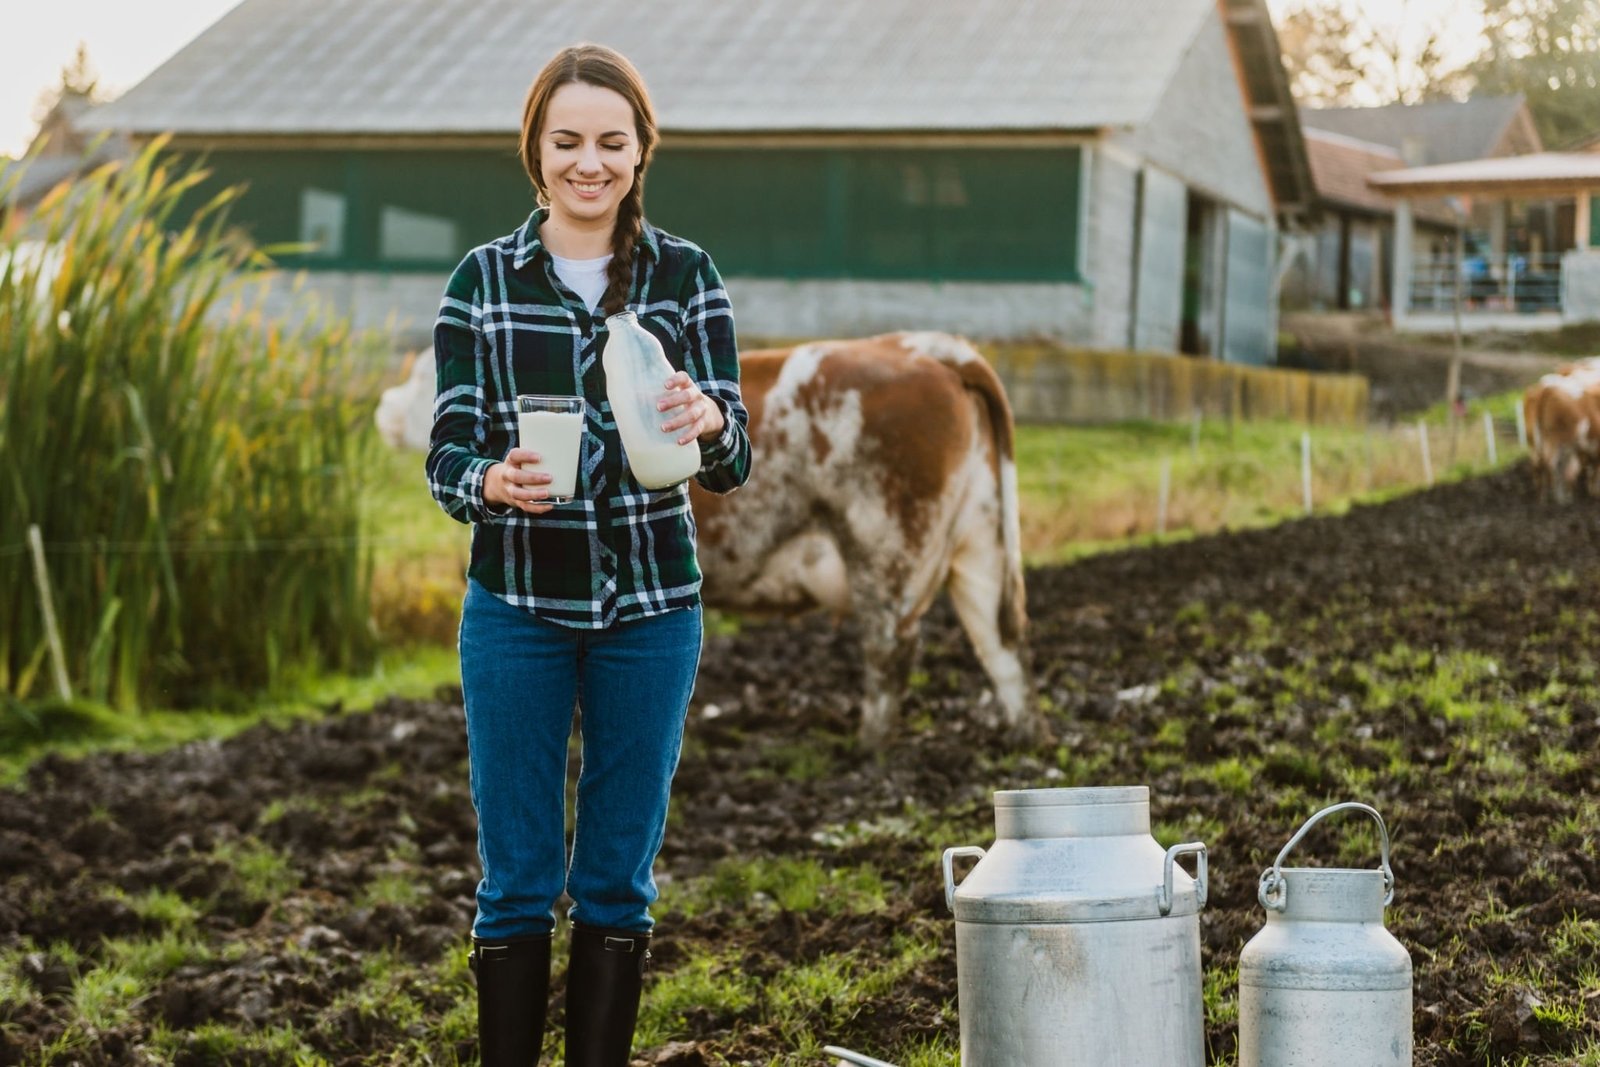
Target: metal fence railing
x=1515 y=282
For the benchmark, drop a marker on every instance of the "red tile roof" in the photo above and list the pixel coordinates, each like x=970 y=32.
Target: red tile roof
x=1340 y=166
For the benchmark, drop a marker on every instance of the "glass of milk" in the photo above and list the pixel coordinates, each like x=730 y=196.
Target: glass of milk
x=553 y=427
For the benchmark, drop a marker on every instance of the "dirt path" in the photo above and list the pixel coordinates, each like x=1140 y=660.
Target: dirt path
x=1434 y=656
x=1408 y=373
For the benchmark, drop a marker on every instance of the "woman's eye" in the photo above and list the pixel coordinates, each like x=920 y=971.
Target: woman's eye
x=566 y=146
x=613 y=147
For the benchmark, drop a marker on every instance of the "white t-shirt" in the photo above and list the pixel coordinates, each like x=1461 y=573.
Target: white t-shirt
x=586 y=277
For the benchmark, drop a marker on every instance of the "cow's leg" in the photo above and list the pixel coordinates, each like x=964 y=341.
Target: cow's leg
x=975 y=576
x=889 y=647
x=1563 y=475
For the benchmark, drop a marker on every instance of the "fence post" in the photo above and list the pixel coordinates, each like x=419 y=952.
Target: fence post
x=1488 y=435
x=1366 y=450
x=1164 y=497
x=47 y=608
x=1522 y=427
x=1305 y=468
x=1427 y=459
x=1194 y=433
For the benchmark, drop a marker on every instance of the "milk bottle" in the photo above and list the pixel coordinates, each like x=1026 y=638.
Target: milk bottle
x=636 y=375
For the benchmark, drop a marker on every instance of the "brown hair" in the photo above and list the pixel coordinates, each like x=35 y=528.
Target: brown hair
x=595 y=64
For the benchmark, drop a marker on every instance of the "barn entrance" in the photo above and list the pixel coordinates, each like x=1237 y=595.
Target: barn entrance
x=1202 y=269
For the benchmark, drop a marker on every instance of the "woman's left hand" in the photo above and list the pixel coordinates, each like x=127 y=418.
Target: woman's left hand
x=691 y=410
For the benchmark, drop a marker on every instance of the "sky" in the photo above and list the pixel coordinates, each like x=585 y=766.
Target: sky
x=125 y=43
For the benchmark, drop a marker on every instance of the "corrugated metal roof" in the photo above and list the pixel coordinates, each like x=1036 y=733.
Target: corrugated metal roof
x=1447 y=130
x=1576 y=169
x=462 y=66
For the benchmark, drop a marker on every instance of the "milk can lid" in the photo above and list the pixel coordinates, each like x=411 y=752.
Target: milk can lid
x=1072 y=880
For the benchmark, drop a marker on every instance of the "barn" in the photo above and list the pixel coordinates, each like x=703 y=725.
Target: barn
x=1346 y=262
x=1112 y=175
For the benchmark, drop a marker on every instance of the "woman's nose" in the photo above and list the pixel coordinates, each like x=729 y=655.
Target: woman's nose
x=589 y=159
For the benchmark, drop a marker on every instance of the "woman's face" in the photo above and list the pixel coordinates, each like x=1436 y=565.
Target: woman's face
x=588 y=149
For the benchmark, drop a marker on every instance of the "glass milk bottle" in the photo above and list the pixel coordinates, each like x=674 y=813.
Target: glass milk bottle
x=636 y=375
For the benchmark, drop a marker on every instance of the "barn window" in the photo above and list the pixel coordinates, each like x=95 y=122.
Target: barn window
x=970 y=213
x=996 y=214
x=322 y=220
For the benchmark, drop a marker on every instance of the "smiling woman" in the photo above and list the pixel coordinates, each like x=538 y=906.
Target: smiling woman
x=591 y=599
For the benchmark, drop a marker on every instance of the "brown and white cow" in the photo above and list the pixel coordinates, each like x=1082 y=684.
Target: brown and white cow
x=1562 y=412
x=884 y=471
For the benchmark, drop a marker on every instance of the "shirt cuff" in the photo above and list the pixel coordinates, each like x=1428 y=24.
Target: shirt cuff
x=721 y=447
x=476 y=473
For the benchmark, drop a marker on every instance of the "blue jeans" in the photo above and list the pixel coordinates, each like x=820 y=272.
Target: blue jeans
x=521 y=677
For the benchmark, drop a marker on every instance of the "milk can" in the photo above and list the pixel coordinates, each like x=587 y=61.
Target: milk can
x=1324 y=984
x=1078 y=936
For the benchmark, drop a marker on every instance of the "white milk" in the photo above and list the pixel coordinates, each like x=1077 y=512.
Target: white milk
x=558 y=438
x=636 y=376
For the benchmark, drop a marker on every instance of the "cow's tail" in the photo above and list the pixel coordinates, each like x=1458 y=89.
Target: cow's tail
x=979 y=377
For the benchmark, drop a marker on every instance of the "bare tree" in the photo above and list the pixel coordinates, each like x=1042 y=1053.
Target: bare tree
x=1340 y=53
x=79 y=80
x=1549 y=51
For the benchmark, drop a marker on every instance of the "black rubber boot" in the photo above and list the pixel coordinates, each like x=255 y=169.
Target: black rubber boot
x=604 y=979
x=513 y=993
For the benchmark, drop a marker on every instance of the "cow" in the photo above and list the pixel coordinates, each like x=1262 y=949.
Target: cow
x=405 y=411
x=1562 y=412
x=884 y=470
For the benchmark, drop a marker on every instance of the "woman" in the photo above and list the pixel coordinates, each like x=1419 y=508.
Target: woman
x=594 y=601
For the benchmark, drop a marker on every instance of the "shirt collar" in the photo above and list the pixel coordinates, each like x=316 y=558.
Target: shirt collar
x=528 y=244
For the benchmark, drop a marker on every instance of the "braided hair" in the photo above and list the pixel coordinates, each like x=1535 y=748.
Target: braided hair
x=595 y=64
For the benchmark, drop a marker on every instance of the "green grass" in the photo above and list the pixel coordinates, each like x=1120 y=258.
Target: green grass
x=394 y=889
x=213 y=1042
x=706 y=984
x=103 y=999
x=15 y=989
x=1089 y=488
x=786 y=883
x=163 y=906
x=261 y=874
x=28 y=731
x=810 y=999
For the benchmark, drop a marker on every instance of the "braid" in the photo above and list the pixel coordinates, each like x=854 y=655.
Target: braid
x=624 y=244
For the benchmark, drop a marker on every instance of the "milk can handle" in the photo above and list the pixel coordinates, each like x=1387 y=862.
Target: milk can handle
x=950 y=857
x=1164 y=894
x=1271 y=891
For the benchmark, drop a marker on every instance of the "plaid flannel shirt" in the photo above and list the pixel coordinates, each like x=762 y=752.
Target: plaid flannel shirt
x=507 y=325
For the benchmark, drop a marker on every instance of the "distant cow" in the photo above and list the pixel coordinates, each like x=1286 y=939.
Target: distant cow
x=405 y=411
x=884 y=471
x=1562 y=412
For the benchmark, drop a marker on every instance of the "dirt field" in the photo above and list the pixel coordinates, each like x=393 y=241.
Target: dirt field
x=1434 y=657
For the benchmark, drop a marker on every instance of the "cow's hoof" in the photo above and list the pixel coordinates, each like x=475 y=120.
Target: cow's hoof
x=874 y=739
x=1029 y=733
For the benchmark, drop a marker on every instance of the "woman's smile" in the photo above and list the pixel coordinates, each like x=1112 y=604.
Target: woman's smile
x=588 y=151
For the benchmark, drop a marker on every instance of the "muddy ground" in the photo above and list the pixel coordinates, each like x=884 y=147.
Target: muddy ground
x=1434 y=656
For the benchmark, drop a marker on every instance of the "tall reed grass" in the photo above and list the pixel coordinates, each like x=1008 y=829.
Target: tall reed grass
x=193 y=468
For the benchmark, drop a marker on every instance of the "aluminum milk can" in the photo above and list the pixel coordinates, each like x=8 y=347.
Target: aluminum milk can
x=1324 y=984
x=1078 y=936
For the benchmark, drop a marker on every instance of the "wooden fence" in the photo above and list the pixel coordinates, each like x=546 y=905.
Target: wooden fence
x=1052 y=384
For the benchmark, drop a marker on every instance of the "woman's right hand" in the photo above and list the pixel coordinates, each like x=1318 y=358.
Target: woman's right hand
x=508 y=484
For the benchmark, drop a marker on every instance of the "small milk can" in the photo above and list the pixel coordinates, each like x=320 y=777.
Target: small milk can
x=1324 y=984
x=1078 y=936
